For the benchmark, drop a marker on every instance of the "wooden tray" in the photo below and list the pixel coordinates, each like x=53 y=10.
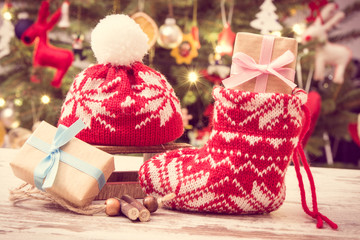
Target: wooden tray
x=146 y=149
x=127 y=182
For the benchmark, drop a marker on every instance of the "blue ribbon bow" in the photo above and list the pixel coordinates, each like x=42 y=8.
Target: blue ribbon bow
x=45 y=172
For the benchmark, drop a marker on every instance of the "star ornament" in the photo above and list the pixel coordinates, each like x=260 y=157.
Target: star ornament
x=186 y=51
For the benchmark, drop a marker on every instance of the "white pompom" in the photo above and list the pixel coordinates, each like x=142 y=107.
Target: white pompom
x=119 y=40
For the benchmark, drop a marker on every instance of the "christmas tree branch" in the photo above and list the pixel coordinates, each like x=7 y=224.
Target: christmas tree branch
x=346 y=37
x=351 y=9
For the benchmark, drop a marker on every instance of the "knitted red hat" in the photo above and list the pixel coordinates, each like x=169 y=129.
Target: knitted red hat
x=122 y=101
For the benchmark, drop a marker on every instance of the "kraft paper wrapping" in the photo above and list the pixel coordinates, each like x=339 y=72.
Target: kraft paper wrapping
x=250 y=44
x=70 y=184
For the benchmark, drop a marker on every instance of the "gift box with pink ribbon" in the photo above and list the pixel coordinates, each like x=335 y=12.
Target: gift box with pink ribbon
x=263 y=63
x=56 y=162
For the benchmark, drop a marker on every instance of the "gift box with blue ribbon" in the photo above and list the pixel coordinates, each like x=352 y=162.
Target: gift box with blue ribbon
x=53 y=160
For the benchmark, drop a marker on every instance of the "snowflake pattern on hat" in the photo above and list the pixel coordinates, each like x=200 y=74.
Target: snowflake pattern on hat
x=85 y=100
x=159 y=96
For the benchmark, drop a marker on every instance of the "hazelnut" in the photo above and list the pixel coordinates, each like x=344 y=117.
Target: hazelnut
x=150 y=203
x=112 y=207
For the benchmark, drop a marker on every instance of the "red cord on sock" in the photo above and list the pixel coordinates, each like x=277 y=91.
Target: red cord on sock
x=299 y=150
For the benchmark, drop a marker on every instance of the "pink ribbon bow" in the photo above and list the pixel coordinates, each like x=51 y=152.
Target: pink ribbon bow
x=244 y=68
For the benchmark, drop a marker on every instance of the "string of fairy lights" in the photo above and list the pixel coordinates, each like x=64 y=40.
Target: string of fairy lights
x=44 y=99
x=7 y=11
x=7 y=112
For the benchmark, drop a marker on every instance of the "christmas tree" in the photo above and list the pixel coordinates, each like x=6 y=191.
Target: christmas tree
x=32 y=102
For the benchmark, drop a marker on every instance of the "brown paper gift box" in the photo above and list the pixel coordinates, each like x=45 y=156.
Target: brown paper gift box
x=250 y=44
x=71 y=184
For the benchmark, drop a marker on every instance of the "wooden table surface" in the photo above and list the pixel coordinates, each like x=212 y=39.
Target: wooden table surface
x=338 y=196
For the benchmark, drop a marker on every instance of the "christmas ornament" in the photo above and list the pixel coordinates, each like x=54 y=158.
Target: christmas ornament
x=195 y=28
x=77 y=46
x=354 y=130
x=23 y=24
x=327 y=52
x=6 y=34
x=195 y=35
x=170 y=34
x=266 y=19
x=186 y=117
x=226 y=41
x=216 y=71
x=315 y=7
x=64 y=20
x=44 y=53
x=220 y=70
x=241 y=168
x=186 y=51
x=122 y=101
x=148 y=25
x=215 y=79
x=226 y=37
x=314 y=105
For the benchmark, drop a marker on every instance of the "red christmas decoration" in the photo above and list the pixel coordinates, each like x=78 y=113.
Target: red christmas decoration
x=195 y=35
x=353 y=130
x=44 y=53
x=216 y=71
x=226 y=40
x=215 y=79
x=315 y=9
x=314 y=105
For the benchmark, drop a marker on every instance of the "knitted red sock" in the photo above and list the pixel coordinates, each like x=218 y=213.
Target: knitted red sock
x=241 y=168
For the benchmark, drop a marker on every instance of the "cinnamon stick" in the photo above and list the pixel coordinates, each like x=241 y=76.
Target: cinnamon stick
x=129 y=210
x=144 y=214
